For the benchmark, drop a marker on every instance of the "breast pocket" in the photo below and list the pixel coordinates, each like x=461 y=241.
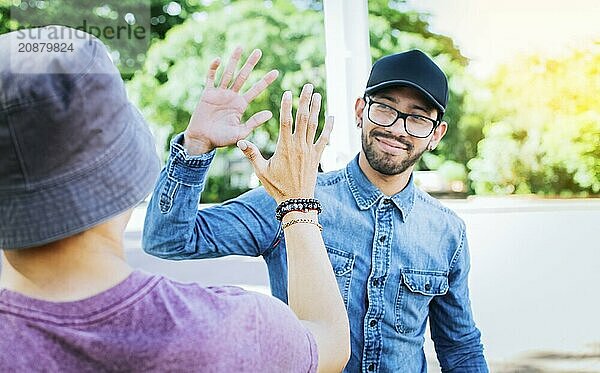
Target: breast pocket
x=417 y=288
x=342 y=263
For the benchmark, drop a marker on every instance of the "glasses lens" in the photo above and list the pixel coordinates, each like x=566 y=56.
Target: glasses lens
x=418 y=126
x=382 y=114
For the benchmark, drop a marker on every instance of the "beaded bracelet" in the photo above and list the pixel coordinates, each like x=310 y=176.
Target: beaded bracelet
x=309 y=221
x=297 y=204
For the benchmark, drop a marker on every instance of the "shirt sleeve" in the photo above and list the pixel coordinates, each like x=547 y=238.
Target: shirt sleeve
x=175 y=228
x=285 y=344
x=456 y=338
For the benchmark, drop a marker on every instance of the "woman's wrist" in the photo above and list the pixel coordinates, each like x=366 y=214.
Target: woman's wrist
x=297 y=204
x=293 y=215
x=298 y=196
x=298 y=218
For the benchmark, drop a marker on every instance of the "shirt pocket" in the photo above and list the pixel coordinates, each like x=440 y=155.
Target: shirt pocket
x=417 y=288
x=342 y=264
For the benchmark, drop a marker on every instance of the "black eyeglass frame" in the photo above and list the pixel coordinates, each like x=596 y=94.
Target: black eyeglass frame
x=399 y=114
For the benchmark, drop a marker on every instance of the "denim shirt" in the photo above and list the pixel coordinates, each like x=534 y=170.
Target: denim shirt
x=398 y=260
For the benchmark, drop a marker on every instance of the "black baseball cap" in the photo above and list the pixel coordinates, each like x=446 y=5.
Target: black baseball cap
x=411 y=69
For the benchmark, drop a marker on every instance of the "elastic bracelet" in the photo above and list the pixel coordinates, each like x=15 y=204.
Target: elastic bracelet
x=308 y=221
x=297 y=204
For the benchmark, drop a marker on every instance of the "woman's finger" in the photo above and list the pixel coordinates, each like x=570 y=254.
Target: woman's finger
x=246 y=70
x=313 y=120
x=285 y=118
x=259 y=163
x=303 y=112
x=230 y=69
x=324 y=138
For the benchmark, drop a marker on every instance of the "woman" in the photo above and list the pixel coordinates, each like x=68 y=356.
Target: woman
x=77 y=158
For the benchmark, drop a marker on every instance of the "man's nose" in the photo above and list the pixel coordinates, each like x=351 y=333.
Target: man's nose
x=398 y=128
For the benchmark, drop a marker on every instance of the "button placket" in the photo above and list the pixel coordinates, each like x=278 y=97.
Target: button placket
x=379 y=264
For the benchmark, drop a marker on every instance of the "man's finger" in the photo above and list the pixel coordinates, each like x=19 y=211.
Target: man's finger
x=303 y=112
x=212 y=73
x=324 y=138
x=246 y=70
x=257 y=119
x=261 y=85
x=230 y=69
x=313 y=120
x=259 y=163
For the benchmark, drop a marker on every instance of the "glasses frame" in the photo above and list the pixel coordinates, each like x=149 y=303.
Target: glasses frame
x=399 y=114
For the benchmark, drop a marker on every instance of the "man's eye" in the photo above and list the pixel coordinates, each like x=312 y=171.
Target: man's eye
x=419 y=119
x=382 y=107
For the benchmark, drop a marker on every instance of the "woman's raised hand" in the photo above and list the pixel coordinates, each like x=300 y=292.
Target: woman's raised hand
x=292 y=171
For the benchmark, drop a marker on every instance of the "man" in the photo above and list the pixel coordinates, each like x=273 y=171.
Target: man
x=399 y=256
x=76 y=158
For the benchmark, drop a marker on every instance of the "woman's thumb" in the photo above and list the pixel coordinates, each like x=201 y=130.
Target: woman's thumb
x=252 y=153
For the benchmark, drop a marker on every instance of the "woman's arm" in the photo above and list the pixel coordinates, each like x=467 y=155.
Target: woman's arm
x=291 y=173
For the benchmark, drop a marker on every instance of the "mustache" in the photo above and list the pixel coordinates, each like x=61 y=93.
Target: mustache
x=401 y=139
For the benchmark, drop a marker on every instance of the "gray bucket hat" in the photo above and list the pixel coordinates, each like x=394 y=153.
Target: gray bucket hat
x=74 y=151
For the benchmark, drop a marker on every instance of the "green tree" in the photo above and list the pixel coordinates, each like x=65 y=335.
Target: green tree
x=542 y=133
x=291 y=35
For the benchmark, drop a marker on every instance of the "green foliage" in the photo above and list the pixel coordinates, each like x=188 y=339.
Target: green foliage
x=291 y=35
x=542 y=133
x=532 y=128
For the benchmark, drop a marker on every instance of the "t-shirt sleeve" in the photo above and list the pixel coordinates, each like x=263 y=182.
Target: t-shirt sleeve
x=286 y=345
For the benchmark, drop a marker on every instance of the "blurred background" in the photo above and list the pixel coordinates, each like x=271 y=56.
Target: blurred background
x=520 y=162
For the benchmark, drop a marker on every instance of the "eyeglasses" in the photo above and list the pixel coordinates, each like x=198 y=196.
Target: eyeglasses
x=384 y=115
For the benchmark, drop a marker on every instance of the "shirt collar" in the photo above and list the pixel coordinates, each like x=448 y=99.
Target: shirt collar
x=366 y=194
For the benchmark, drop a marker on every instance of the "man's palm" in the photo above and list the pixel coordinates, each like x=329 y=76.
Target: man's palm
x=222 y=111
x=216 y=121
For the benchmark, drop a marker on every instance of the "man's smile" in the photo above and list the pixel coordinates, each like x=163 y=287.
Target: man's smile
x=390 y=145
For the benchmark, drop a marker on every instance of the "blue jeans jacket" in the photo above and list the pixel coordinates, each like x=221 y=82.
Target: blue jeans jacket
x=398 y=260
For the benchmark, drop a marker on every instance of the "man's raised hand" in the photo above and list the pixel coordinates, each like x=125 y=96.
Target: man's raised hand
x=216 y=121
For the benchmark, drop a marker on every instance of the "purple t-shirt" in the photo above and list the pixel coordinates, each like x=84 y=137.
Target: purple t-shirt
x=150 y=323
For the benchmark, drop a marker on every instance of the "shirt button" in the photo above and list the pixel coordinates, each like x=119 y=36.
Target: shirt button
x=371 y=367
x=375 y=282
x=427 y=286
x=382 y=238
x=372 y=323
x=387 y=201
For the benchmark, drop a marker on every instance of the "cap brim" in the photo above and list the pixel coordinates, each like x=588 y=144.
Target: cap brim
x=405 y=83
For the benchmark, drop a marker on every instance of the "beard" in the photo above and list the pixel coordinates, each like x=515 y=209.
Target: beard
x=388 y=164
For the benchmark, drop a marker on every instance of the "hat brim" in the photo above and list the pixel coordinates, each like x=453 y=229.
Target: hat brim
x=406 y=83
x=72 y=205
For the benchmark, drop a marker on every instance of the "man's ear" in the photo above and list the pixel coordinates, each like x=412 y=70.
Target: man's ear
x=438 y=134
x=359 y=107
